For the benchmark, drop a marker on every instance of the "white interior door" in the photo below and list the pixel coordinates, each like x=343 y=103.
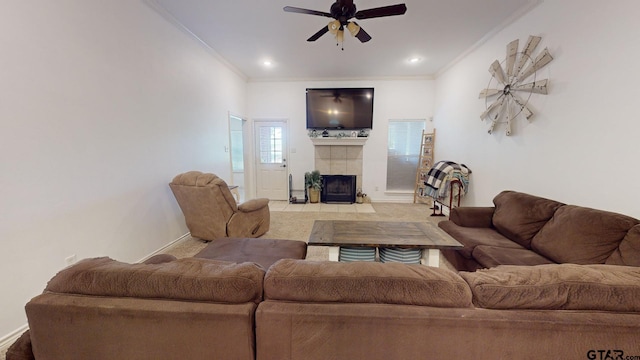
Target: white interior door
x=271 y=162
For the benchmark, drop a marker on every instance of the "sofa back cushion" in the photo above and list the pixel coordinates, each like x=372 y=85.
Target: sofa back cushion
x=365 y=282
x=628 y=252
x=582 y=235
x=184 y=279
x=557 y=286
x=520 y=216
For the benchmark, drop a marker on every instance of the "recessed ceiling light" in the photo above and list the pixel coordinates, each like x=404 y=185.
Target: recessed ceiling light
x=414 y=60
x=267 y=63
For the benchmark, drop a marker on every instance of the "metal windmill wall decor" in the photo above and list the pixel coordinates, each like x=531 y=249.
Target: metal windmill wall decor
x=512 y=82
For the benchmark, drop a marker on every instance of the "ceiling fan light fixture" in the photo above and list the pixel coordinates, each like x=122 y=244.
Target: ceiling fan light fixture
x=334 y=26
x=353 y=28
x=340 y=36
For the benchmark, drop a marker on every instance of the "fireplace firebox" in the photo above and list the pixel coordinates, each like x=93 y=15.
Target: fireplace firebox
x=338 y=189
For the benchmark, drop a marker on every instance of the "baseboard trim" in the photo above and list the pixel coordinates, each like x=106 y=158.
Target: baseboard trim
x=7 y=340
x=392 y=201
x=162 y=249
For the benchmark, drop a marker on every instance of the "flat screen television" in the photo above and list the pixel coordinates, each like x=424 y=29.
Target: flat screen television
x=340 y=108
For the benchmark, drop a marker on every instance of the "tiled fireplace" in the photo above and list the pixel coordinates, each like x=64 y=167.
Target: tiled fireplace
x=340 y=160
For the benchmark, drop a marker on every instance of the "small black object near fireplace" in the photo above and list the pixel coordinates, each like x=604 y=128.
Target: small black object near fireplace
x=338 y=189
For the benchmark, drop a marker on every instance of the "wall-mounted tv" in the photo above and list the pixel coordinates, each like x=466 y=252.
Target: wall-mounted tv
x=340 y=108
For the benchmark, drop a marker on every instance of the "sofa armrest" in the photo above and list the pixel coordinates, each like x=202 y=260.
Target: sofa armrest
x=21 y=348
x=470 y=216
x=253 y=205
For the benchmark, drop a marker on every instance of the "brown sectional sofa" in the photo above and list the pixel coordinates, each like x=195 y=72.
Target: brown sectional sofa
x=523 y=229
x=207 y=309
x=546 y=281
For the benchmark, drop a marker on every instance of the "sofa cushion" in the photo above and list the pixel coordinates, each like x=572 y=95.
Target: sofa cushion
x=582 y=235
x=471 y=237
x=184 y=279
x=263 y=252
x=492 y=256
x=365 y=282
x=557 y=286
x=520 y=216
x=628 y=252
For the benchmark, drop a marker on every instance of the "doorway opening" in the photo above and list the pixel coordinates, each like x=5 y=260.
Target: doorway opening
x=237 y=155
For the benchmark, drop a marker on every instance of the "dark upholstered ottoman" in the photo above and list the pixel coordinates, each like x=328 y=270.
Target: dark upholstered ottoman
x=263 y=252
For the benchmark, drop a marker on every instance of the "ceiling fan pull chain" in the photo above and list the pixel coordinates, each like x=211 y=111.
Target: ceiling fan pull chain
x=340 y=37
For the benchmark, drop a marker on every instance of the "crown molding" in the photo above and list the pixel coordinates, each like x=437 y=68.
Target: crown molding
x=510 y=20
x=162 y=11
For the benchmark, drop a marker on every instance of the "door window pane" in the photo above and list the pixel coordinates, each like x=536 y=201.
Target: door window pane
x=403 y=152
x=271 y=145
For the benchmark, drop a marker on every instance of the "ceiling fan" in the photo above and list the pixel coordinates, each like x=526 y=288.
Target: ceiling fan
x=335 y=95
x=344 y=10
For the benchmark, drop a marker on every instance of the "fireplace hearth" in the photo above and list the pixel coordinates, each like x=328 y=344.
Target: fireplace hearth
x=338 y=189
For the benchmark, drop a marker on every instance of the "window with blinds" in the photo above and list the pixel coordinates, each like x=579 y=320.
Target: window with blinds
x=403 y=152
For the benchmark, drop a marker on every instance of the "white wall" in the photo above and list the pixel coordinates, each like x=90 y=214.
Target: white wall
x=101 y=104
x=393 y=99
x=581 y=147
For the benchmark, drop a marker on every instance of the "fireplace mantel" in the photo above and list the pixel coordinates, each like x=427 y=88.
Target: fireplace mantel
x=348 y=141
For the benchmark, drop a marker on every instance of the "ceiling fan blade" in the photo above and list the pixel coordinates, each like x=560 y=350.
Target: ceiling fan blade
x=390 y=10
x=317 y=35
x=306 y=11
x=358 y=32
x=363 y=36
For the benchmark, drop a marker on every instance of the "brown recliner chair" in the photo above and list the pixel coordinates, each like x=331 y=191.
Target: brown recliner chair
x=211 y=211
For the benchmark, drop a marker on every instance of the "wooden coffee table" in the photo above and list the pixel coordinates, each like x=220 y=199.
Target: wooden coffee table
x=382 y=234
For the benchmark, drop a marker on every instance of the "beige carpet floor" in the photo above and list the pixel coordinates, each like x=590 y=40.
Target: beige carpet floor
x=294 y=222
